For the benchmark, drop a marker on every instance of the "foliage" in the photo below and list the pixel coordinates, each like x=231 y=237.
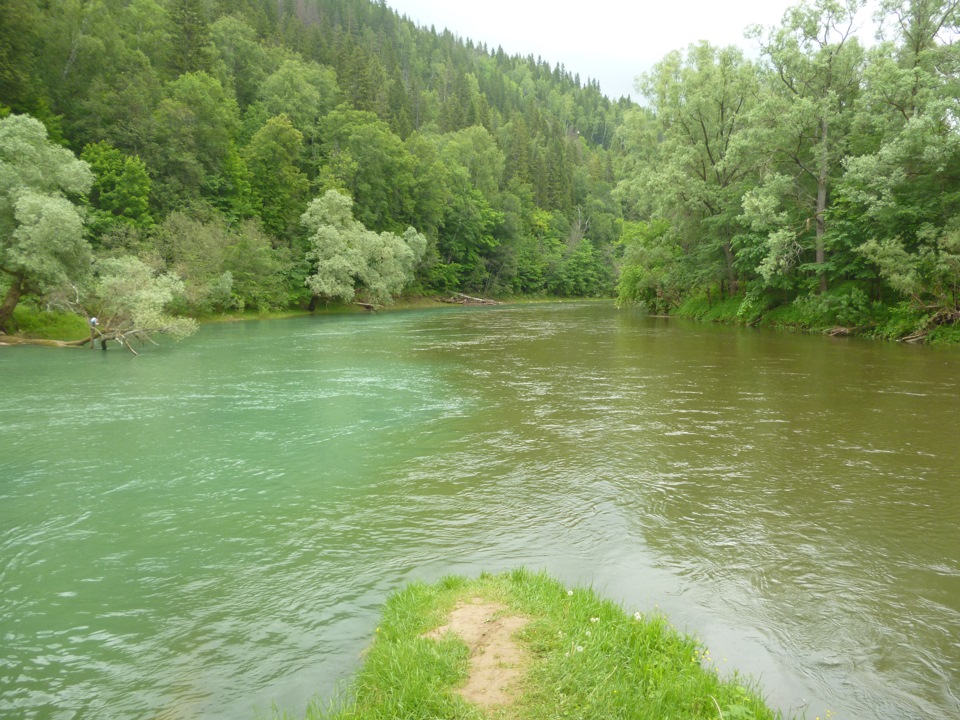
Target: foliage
x=279 y=187
x=843 y=166
x=817 y=166
x=41 y=228
x=121 y=188
x=130 y=298
x=241 y=109
x=354 y=261
x=652 y=272
x=36 y=322
x=222 y=267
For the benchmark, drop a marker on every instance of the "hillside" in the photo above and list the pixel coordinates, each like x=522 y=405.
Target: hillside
x=210 y=126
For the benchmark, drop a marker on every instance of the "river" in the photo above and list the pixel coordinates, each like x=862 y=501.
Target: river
x=209 y=529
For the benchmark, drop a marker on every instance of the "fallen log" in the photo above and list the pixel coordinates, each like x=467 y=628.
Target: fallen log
x=916 y=337
x=124 y=338
x=461 y=299
x=16 y=340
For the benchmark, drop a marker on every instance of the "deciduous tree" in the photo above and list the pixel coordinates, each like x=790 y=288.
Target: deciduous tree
x=353 y=261
x=41 y=227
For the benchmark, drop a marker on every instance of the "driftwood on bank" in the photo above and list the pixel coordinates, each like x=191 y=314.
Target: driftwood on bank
x=943 y=317
x=461 y=299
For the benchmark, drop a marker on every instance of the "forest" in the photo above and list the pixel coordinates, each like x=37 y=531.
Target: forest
x=167 y=159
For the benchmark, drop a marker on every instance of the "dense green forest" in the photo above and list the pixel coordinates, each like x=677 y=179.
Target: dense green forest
x=214 y=132
x=180 y=157
x=817 y=186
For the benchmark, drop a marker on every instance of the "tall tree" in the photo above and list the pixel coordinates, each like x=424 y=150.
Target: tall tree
x=41 y=227
x=816 y=62
x=365 y=158
x=280 y=188
x=701 y=103
x=18 y=30
x=190 y=37
x=195 y=125
x=901 y=202
x=121 y=188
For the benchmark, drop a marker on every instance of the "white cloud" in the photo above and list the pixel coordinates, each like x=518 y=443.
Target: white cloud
x=610 y=40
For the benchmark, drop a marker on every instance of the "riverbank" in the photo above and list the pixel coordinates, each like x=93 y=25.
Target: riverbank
x=838 y=314
x=521 y=645
x=39 y=326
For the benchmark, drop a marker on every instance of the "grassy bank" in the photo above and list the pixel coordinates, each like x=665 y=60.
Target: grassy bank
x=581 y=657
x=843 y=311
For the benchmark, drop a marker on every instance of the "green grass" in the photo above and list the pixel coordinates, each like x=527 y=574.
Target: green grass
x=588 y=659
x=30 y=322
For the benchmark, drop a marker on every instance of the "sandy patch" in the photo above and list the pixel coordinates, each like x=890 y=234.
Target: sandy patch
x=496 y=661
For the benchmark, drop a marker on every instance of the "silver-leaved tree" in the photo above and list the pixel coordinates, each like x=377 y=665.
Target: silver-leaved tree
x=41 y=228
x=352 y=262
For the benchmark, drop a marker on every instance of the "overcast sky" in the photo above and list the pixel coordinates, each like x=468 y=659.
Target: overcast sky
x=612 y=41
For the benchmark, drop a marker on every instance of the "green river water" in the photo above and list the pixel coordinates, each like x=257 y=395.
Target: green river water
x=210 y=529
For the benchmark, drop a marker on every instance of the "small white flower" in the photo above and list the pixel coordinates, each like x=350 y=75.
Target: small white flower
x=588 y=633
x=579 y=648
x=569 y=592
x=593 y=620
x=637 y=616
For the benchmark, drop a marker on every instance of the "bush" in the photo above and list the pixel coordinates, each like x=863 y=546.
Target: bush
x=33 y=322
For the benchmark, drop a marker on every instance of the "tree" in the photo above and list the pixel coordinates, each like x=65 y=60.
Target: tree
x=653 y=273
x=240 y=55
x=929 y=277
x=697 y=180
x=195 y=124
x=190 y=37
x=901 y=202
x=18 y=30
x=353 y=261
x=280 y=189
x=366 y=159
x=121 y=188
x=816 y=62
x=258 y=270
x=194 y=251
x=303 y=91
x=129 y=301
x=41 y=227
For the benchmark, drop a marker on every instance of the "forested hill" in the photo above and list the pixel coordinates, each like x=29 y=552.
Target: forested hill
x=210 y=125
x=269 y=153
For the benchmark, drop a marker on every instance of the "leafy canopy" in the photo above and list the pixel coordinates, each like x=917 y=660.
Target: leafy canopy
x=354 y=261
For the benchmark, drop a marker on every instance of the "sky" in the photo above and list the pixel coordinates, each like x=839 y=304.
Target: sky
x=612 y=41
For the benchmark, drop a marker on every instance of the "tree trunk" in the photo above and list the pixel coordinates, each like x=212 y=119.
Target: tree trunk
x=822 y=205
x=10 y=302
x=731 y=271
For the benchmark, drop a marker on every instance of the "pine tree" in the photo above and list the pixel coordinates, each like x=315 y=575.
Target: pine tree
x=190 y=37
